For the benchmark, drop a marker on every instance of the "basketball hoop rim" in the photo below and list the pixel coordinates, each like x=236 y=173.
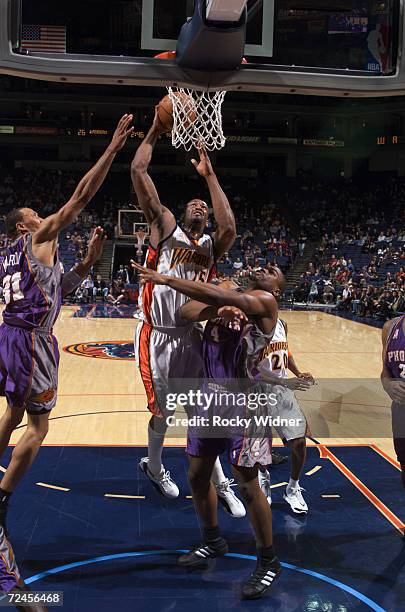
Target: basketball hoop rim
x=171 y=55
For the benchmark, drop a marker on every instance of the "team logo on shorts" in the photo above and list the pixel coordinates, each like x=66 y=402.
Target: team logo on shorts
x=123 y=350
x=44 y=397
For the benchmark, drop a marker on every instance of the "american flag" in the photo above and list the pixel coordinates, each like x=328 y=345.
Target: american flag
x=46 y=39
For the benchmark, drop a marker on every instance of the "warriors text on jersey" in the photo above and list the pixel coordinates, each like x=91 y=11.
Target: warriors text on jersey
x=31 y=290
x=274 y=357
x=395 y=352
x=181 y=257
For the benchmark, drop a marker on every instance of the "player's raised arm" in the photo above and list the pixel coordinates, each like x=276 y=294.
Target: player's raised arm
x=86 y=189
x=257 y=303
x=160 y=219
x=71 y=280
x=225 y=234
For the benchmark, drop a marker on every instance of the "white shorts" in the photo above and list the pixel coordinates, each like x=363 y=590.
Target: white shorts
x=164 y=358
x=288 y=408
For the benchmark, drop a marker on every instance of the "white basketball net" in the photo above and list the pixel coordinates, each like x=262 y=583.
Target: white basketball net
x=197 y=118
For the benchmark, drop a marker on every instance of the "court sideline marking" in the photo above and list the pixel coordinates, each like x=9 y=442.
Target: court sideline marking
x=378 y=450
x=325 y=453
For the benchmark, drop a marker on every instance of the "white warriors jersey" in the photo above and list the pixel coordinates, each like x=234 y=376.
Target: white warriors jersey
x=274 y=358
x=181 y=257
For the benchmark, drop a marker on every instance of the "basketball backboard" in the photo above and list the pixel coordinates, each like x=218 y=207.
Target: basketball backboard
x=346 y=47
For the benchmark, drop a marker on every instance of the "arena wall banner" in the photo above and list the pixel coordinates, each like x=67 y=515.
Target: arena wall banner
x=319 y=142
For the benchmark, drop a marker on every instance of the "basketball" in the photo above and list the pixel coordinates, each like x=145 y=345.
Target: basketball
x=187 y=111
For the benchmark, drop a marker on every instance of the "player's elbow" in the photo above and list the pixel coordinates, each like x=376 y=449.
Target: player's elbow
x=71 y=211
x=138 y=168
x=226 y=237
x=78 y=201
x=230 y=233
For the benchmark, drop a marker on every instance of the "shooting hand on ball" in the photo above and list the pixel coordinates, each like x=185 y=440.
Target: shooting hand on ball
x=157 y=124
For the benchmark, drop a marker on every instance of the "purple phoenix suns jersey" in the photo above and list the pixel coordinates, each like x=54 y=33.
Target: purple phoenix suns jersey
x=229 y=356
x=223 y=352
x=233 y=354
x=395 y=353
x=31 y=290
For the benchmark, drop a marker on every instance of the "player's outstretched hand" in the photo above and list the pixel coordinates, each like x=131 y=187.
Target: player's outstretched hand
x=307 y=376
x=123 y=130
x=203 y=167
x=297 y=384
x=96 y=245
x=232 y=317
x=149 y=276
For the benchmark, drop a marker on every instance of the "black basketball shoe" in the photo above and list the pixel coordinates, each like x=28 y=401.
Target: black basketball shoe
x=201 y=554
x=262 y=578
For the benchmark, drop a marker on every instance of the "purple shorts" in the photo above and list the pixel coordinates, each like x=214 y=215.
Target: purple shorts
x=242 y=451
x=398 y=430
x=9 y=574
x=29 y=362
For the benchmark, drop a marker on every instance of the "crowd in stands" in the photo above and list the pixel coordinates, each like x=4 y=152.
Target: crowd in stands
x=263 y=239
x=263 y=236
x=360 y=261
x=357 y=266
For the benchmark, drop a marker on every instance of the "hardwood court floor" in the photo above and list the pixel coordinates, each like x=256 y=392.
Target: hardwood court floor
x=102 y=401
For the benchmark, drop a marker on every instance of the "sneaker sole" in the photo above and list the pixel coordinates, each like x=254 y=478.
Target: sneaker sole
x=266 y=590
x=203 y=563
x=153 y=483
x=295 y=510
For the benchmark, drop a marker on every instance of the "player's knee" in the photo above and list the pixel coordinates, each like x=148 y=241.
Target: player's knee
x=199 y=481
x=249 y=490
x=158 y=425
x=38 y=436
x=298 y=445
x=14 y=417
x=38 y=431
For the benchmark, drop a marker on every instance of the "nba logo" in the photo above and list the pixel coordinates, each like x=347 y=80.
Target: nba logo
x=395 y=336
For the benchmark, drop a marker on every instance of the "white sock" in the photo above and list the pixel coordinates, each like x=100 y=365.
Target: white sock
x=293 y=484
x=155 y=448
x=263 y=474
x=218 y=475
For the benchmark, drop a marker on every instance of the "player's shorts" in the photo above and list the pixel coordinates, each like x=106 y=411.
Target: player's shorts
x=29 y=362
x=166 y=356
x=398 y=430
x=242 y=450
x=9 y=574
x=226 y=424
x=287 y=409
